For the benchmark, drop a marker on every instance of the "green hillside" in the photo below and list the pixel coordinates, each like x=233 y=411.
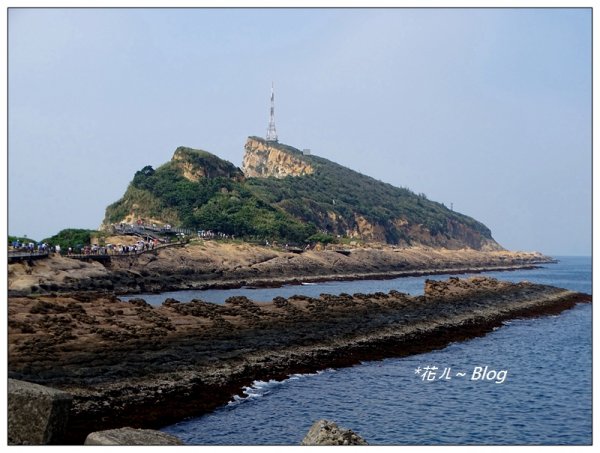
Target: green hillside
x=198 y=190
x=334 y=188
x=219 y=203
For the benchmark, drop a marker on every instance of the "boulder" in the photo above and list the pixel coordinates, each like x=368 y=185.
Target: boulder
x=324 y=432
x=131 y=436
x=37 y=415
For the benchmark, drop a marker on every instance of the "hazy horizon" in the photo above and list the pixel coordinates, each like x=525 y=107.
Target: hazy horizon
x=488 y=110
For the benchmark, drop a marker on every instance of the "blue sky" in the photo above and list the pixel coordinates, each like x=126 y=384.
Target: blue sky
x=488 y=109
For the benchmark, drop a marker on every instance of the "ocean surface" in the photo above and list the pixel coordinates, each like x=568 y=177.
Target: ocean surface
x=536 y=389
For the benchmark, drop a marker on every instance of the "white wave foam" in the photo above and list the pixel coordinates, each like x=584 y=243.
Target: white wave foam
x=258 y=389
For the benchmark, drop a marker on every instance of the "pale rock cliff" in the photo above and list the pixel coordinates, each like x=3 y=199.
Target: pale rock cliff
x=138 y=202
x=267 y=159
x=198 y=164
x=367 y=230
x=414 y=226
x=189 y=170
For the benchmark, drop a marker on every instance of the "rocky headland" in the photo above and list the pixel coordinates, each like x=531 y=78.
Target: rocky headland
x=131 y=364
x=287 y=195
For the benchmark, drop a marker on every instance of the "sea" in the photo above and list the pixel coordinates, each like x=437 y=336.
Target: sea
x=528 y=382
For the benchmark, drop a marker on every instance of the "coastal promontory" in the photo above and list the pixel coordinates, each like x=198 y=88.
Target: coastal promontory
x=287 y=195
x=286 y=217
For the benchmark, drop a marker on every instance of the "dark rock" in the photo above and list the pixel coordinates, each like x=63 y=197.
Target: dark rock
x=244 y=304
x=200 y=365
x=37 y=415
x=324 y=432
x=138 y=302
x=280 y=302
x=170 y=301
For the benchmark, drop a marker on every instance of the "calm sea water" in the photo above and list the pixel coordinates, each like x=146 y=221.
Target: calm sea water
x=567 y=272
x=545 y=398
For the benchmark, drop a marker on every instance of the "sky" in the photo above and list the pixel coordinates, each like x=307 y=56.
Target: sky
x=488 y=110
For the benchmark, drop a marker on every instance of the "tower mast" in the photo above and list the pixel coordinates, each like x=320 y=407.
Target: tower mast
x=271 y=131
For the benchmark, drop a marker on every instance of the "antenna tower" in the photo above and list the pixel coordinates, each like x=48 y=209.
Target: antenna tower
x=271 y=131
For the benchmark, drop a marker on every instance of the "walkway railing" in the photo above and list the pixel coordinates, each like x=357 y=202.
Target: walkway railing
x=21 y=255
x=108 y=256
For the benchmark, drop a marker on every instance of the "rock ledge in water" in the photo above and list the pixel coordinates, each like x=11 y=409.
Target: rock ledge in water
x=324 y=432
x=131 y=436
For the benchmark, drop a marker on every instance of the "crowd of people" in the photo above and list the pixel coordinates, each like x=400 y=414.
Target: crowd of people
x=93 y=249
x=32 y=247
x=118 y=249
x=209 y=234
x=142 y=245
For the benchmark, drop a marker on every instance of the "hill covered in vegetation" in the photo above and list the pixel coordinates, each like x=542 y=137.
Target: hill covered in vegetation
x=198 y=190
x=282 y=194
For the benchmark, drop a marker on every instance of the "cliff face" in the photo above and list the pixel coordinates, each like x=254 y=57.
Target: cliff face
x=458 y=236
x=196 y=164
x=266 y=159
x=343 y=202
x=158 y=196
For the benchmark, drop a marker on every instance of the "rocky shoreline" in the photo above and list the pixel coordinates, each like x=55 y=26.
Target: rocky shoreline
x=129 y=364
x=232 y=265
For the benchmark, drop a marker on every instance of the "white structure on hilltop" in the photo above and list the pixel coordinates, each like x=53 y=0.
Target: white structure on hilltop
x=271 y=131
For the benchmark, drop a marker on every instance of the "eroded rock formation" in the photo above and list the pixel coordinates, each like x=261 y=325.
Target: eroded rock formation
x=263 y=159
x=198 y=164
x=215 y=264
x=129 y=364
